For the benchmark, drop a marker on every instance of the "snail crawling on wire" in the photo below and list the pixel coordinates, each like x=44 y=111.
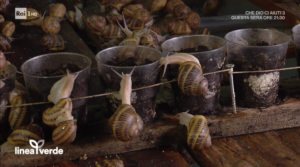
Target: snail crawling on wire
x=125 y=123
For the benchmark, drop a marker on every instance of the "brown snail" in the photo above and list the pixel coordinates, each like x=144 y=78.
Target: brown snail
x=19 y=116
x=7 y=28
x=95 y=23
x=57 y=10
x=125 y=123
x=190 y=77
x=34 y=14
x=53 y=42
x=129 y=10
x=1 y=18
x=180 y=11
x=171 y=4
x=114 y=5
x=50 y=25
x=5 y=42
x=23 y=134
x=111 y=31
x=110 y=163
x=212 y=7
x=143 y=15
x=65 y=132
x=156 y=5
x=198 y=136
x=193 y=19
x=34 y=22
x=179 y=27
x=135 y=24
x=51 y=114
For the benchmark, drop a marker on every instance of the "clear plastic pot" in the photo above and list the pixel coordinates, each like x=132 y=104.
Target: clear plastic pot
x=41 y=72
x=256 y=50
x=211 y=60
x=296 y=36
x=8 y=76
x=147 y=72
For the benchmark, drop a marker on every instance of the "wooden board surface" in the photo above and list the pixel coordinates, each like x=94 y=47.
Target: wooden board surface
x=166 y=156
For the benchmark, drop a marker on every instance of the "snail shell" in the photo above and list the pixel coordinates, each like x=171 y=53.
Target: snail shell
x=191 y=80
x=70 y=15
x=32 y=17
x=50 y=25
x=129 y=41
x=1 y=18
x=125 y=123
x=7 y=28
x=53 y=42
x=179 y=27
x=150 y=37
x=110 y=163
x=156 y=29
x=22 y=135
x=143 y=15
x=111 y=31
x=156 y=5
x=172 y=4
x=130 y=9
x=212 y=7
x=114 y=5
x=114 y=18
x=19 y=116
x=57 y=10
x=198 y=133
x=95 y=23
x=193 y=20
x=4 y=43
x=134 y=23
x=180 y=11
x=51 y=114
x=65 y=132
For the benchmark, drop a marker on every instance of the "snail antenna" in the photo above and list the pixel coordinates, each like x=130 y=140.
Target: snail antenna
x=117 y=73
x=132 y=71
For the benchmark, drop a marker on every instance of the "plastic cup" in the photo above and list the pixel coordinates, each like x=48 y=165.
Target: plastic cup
x=296 y=36
x=256 y=50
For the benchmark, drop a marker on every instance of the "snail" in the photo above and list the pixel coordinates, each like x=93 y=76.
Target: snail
x=171 y=4
x=7 y=28
x=156 y=29
x=114 y=17
x=19 y=116
x=114 y=6
x=3 y=6
x=180 y=10
x=57 y=10
x=50 y=25
x=125 y=123
x=198 y=136
x=51 y=114
x=80 y=3
x=129 y=41
x=156 y=5
x=53 y=42
x=143 y=15
x=190 y=77
x=19 y=90
x=179 y=27
x=23 y=134
x=192 y=19
x=65 y=132
x=111 y=31
x=78 y=18
x=110 y=163
x=35 y=22
x=5 y=42
x=1 y=18
x=62 y=88
x=70 y=15
x=135 y=24
x=129 y=10
x=34 y=16
x=212 y=7
x=95 y=23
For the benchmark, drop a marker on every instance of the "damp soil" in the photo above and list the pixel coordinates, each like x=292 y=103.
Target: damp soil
x=199 y=48
x=60 y=70
x=131 y=61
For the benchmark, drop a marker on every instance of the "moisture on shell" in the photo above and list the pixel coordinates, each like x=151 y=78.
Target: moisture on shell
x=261 y=84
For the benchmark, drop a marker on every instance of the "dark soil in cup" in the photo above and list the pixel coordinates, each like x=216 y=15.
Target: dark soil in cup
x=131 y=61
x=199 y=48
x=60 y=70
x=262 y=43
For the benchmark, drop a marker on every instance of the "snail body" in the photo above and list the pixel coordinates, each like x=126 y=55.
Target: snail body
x=23 y=134
x=50 y=25
x=51 y=114
x=179 y=27
x=35 y=16
x=4 y=43
x=57 y=10
x=19 y=116
x=190 y=77
x=62 y=89
x=2 y=19
x=35 y=22
x=65 y=132
x=78 y=18
x=198 y=136
x=70 y=15
x=53 y=42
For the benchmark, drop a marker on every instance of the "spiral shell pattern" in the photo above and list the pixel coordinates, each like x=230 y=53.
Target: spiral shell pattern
x=53 y=42
x=125 y=123
x=198 y=133
x=181 y=10
x=7 y=28
x=50 y=25
x=51 y=114
x=135 y=24
x=130 y=9
x=179 y=27
x=191 y=80
x=111 y=31
x=57 y=10
x=143 y=15
x=4 y=43
x=95 y=23
x=171 y=4
x=19 y=116
x=193 y=20
x=22 y=135
x=65 y=132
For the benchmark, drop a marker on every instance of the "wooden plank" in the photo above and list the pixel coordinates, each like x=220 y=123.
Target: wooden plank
x=292 y=10
x=166 y=156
